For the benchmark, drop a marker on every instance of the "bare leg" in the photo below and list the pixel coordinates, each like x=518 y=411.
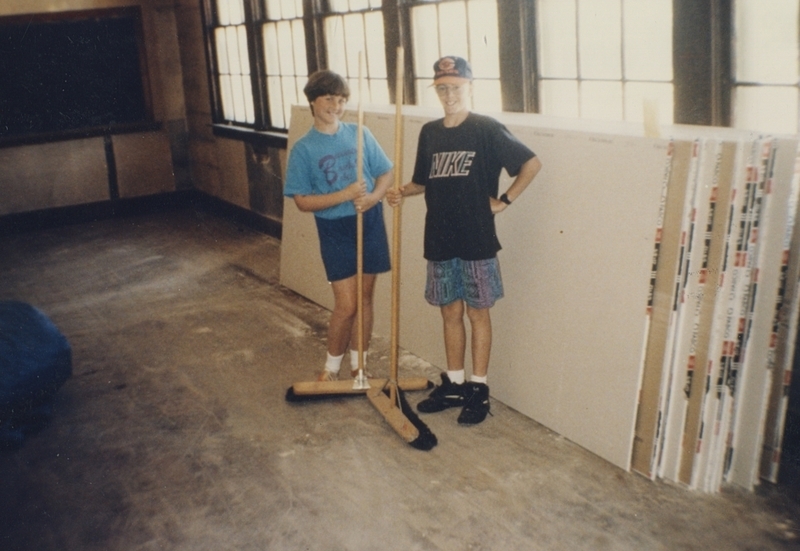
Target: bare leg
x=455 y=334
x=345 y=304
x=481 y=323
x=368 y=293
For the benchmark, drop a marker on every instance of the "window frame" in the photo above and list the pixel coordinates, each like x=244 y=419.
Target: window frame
x=702 y=34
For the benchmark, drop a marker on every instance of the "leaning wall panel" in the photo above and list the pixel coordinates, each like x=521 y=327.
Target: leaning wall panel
x=577 y=252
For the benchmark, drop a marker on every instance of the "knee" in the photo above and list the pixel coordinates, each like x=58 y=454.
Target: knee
x=453 y=312
x=345 y=309
x=478 y=316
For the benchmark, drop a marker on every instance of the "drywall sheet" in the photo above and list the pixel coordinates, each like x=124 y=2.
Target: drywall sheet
x=144 y=164
x=577 y=263
x=577 y=260
x=664 y=285
x=677 y=311
x=301 y=265
x=728 y=328
x=755 y=373
x=785 y=329
x=717 y=226
x=53 y=175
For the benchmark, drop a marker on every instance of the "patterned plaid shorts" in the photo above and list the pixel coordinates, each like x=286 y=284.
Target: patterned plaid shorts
x=476 y=282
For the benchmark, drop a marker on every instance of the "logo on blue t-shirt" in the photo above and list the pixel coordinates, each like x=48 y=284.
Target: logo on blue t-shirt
x=341 y=166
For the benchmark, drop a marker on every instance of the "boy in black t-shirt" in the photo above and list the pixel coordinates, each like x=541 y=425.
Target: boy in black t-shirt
x=458 y=165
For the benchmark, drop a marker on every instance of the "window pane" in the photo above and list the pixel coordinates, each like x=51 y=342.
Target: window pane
x=486 y=94
x=379 y=91
x=353 y=42
x=223 y=12
x=226 y=94
x=600 y=39
x=273 y=9
x=232 y=38
x=285 y=49
x=230 y=12
x=334 y=39
x=559 y=98
x=484 y=53
x=299 y=42
x=658 y=94
x=601 y=100
x=249 y=106
x=340 y=6
x=767 y=109
x=767 y=41
x=376 y=58
x=291 y=9
x=557 y=39
x=244 y=58
x=426 y=96
x=648 y=39
x=424 y=24
x=276 y=108
x=239 y=112
x=271 y=49
x=289 y=90
x=222 y=51
x=452 y=29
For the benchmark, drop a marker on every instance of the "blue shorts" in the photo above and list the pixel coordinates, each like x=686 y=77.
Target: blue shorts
x=476 y=282
x=337 y=243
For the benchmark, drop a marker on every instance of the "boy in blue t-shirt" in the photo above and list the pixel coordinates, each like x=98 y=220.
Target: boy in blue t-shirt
x=321 y=178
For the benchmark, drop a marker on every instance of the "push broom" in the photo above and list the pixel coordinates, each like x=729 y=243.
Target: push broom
x=389 y=399
x=322 y=390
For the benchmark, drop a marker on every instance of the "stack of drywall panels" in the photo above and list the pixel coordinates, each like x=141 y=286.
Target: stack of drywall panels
x=626 y=265
x=729 y=297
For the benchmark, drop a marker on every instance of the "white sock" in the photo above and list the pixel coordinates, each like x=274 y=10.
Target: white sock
x=476 y=379
x=333 y=363
x=456 y=376
x=354 y=359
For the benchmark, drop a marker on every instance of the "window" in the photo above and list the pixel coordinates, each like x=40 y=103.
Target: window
x=355 y=26
x=465 y=28
x=285 y=58
x=605 y=59
x=766 y=65
x=72 y=74
x=233 y=63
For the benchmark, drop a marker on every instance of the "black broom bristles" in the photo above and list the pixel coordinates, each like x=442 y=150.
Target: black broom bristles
x=426 y=439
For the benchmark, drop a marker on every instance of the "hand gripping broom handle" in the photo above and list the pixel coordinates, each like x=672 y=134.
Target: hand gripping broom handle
x=398 y=177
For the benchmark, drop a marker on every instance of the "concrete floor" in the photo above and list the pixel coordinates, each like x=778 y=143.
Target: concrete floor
x=174 y=434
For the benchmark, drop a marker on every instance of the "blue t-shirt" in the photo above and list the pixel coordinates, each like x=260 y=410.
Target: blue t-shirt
x=323 y=163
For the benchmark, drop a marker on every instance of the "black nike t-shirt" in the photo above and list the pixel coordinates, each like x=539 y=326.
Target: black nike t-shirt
x=460 y=169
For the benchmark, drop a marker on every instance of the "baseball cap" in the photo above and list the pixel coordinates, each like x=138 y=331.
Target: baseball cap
x=452 y=66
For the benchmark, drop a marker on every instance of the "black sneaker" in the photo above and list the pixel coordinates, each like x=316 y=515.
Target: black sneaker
x=476 y=404
x=446 y=395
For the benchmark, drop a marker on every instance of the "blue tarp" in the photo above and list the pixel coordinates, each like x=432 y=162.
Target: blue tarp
x=35 y=360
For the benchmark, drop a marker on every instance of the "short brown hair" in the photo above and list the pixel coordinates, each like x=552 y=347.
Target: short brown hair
x=326 y=83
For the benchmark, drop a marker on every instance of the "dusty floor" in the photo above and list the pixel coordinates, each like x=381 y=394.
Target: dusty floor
x=174 y=434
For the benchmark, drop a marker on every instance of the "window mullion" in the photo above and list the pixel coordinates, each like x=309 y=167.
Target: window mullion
x=255 y=47
x=208 y=13
x=315 y=45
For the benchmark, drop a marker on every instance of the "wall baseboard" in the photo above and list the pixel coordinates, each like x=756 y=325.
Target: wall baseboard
x=121 y=208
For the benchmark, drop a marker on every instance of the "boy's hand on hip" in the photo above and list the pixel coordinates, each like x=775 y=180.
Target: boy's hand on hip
x=497 y=205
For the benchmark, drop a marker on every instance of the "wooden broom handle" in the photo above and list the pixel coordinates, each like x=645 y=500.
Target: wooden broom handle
x=398 y=178
x=360 y=218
